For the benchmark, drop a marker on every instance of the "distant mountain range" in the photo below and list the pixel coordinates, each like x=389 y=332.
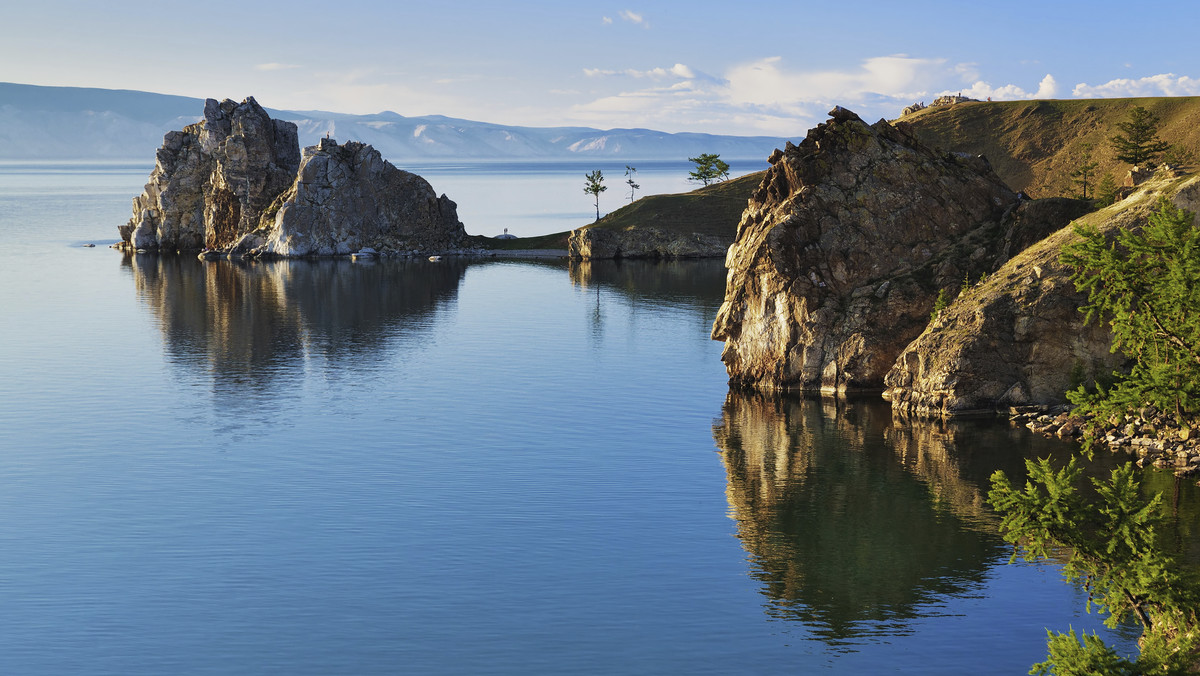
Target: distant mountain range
x=74 y=123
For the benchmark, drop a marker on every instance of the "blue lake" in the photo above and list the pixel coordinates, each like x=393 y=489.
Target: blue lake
x=491 y=467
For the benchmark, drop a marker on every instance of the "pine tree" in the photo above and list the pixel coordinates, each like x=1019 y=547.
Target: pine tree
x=1106 y=191
x=1138 y=143
x=630 y=174
x=594 y=186
x=1085 y=172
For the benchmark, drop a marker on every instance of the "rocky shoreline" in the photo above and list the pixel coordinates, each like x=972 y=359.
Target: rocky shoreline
x=1155 y=438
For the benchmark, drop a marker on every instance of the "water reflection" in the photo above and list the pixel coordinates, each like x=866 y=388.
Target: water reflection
x=696 y=284
x=249 y=323
x=856 y=523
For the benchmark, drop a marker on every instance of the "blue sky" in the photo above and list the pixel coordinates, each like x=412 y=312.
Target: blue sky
x=722 y=67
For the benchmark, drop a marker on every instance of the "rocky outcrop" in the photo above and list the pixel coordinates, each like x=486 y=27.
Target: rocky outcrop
x=346 y=198
x=236 y=183
x=1018 y=338
x=840 y=254
x=212 y=181
x=642 y=242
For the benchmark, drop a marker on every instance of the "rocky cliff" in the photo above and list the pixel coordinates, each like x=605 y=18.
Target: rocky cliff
x=212 y=180
x=236 y=183
x=1018 y=338
x=346 y=198
x=841 y=251
x=643 y=242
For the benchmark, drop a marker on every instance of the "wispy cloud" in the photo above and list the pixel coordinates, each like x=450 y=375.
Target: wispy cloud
x=607 y=21
x=634 y=18
x=678 y=70
x=275 y=66
x=1164 y=84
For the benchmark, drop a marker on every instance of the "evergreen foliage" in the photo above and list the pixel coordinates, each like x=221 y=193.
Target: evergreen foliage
x=594 y=185
x=630 y=174
x=1111 y=543
x=1085 y=173
x=709 y=168
x=1106 y=191
x=1138 y=142
x=1147 y=286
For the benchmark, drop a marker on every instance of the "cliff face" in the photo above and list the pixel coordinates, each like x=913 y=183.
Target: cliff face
x=236 y=183
x=347 y=197
x=212 y=180
x=840 y=253
x=1019 y=338
x=643 y=242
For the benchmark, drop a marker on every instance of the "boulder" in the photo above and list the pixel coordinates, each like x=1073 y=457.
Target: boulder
x=347 y=197
x=1019 y=339
x=841 y=252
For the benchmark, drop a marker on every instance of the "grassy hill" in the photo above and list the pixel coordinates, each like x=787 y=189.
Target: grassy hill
x=712 y=210
x=1035 y=145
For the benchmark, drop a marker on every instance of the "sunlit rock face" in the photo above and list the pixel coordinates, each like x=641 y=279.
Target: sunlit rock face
x=1019 y=338
x=347 y=197
x=212 y=181
x=840 y=254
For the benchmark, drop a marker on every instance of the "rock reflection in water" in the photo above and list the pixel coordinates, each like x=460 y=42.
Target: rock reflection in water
x=854 y=522
x=247 y=322
x=690 y=283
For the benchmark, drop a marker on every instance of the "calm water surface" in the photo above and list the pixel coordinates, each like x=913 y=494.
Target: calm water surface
x=489 y=467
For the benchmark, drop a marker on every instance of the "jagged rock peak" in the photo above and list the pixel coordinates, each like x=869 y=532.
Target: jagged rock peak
x=212 y=180
x=841 y=251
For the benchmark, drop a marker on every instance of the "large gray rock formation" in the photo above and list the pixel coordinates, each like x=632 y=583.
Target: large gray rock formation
x=236 y=183
x=642 y=242
x=840 y=254
x=1019 y=338
x=212 y=180
x=347 y=197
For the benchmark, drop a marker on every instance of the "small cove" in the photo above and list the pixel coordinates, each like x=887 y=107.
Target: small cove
x=461 y=467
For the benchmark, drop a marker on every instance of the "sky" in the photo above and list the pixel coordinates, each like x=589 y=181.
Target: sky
x=733 y=67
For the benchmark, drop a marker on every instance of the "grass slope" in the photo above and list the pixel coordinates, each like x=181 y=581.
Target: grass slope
x=712 y=210
x=1035 y=145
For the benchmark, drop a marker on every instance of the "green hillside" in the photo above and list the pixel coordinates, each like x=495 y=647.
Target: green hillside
x=1035 y=145
x=712 y=210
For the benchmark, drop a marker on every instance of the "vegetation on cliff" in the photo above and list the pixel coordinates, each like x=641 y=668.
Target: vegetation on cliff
x=1036 y=145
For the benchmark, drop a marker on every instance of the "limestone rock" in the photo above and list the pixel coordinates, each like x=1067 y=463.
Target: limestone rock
x=212 y=180
x=840 y=253
x=642 y=242
x=1019 y=338
x=347 y=197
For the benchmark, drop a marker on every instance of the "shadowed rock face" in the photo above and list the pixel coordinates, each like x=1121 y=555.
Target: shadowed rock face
x=1019 y=337
x=212 y=181
x=642 y=242
x=347 y=197
x=840 y=253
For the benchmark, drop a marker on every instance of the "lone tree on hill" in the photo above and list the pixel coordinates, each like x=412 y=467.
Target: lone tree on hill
x=1085 y=173
x=709 y=168
x=630 y=174
x=594 y=186
x=1138 y=142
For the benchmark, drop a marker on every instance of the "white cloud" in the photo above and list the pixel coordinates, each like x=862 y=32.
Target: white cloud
x=607 y=21
x=766 y=82
x=634 y=18
x=678 y=70
x=1164 y=84
x=275 y=66
x=1047 y=89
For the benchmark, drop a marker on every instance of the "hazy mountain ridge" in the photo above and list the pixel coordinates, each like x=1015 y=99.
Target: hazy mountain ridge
x=69 y=123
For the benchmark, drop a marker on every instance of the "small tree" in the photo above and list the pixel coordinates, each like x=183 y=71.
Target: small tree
x=630 y=173
x=709 y=169
x=594 y=186
x=1085 y=172
x=1106 y=191
x=1178 y=155
x=1147 y=286
x=1138 y=142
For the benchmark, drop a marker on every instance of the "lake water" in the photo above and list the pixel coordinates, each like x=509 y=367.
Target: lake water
x=490 y=467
